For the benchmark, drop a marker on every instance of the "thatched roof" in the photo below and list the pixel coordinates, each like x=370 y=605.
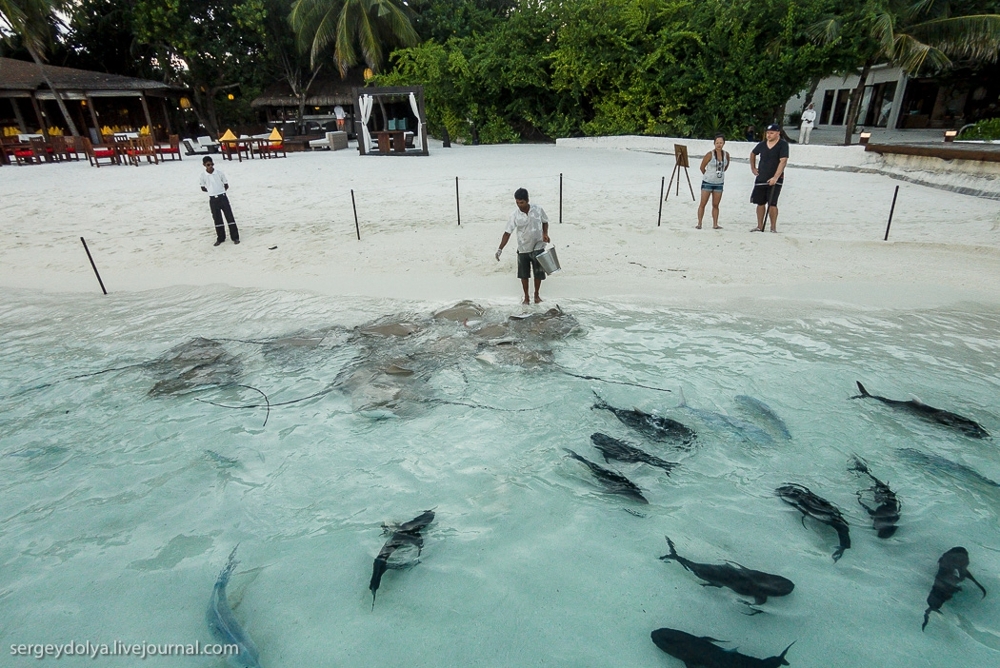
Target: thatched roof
x=324 y=92
x=22 y=76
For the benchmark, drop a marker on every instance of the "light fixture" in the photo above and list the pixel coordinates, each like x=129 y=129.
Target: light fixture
x=368 y=73
x=949 y=135
x=231 y=96
x=83 y=103
x=864 y=137
x=185 y=103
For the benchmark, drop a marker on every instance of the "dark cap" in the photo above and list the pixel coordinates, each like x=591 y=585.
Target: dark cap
x=774 y=127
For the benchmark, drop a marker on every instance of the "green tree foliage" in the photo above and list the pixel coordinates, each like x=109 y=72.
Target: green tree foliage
x=211 y=46
x=100 y=37
x=352 y=25
x=597 y=67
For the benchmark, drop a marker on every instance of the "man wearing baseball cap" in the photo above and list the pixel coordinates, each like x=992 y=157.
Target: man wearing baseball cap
x=770 y=175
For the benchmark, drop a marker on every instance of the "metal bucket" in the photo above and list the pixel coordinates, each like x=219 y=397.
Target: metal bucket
x=546 y=256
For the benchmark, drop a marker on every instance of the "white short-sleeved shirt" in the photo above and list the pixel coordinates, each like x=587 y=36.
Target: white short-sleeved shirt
x=215 y=183
x=338 y=111
x=808 y=117
x=528 y=227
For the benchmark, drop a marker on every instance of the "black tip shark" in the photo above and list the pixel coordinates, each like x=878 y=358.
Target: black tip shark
x=884 y=508
x=406 y=535
x=948 y=419
x=953 y=567
x=702 y=652
x=612 y=448
x=655 y=427
x=744 y=581
x=820 y=510
x=612 y=481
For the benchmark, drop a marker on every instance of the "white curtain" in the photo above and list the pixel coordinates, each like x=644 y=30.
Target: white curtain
x=418 y=140
x=366 y=112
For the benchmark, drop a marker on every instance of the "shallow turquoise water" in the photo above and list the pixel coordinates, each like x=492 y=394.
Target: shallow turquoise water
x=120 y=508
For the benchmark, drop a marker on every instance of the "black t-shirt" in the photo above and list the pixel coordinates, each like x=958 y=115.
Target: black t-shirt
x=768 y=159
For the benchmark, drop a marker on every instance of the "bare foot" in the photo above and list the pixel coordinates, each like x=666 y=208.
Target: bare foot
x=773 y=230
x=756 y=229
x=717 y=227
x=697 y=227
x=526 y=301
x=538 y=300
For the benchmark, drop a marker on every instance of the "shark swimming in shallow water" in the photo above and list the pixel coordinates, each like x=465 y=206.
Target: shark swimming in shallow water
x=756 y=584
x=953 y=567
x=406 y=535
x=954 y=421
x=884 y=506
x=612 y=448
x=702 y=652
x=820 y=510
x=656 y=427
x=223 y=624
x=612 y=481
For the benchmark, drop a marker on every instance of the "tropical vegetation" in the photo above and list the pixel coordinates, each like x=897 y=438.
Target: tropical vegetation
x=512 y=70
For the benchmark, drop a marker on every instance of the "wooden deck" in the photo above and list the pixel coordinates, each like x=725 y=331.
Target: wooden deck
x=943 y=150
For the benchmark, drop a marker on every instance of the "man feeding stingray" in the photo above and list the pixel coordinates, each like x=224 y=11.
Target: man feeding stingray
x=532 y=227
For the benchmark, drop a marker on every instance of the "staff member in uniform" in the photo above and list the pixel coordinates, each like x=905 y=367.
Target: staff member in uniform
x=215 y=184
x=532 y=226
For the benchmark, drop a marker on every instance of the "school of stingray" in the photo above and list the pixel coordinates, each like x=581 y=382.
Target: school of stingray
x=387 y=372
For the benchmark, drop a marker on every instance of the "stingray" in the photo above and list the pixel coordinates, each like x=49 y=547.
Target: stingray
x=193 y=365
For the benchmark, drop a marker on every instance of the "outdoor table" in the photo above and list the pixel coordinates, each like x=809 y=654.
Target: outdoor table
x=237 y=146
x=393 y=140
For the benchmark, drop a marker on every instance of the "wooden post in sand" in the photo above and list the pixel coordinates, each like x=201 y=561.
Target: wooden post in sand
x=560 y=197
x=659 y=215
x=458 y=208
x=96 y=273
x=356 y=227
x=891 y=209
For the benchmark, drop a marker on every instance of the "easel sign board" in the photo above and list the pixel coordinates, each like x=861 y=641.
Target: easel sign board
x=681 y=155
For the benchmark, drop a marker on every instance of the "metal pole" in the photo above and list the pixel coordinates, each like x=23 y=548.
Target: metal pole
x=891 y=209
x=560 y=197
x=93 y=265
x=356 y=228
x=659 y=214
x=458 y=208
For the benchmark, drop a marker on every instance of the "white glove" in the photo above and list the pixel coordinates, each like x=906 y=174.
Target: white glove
x=499 y=250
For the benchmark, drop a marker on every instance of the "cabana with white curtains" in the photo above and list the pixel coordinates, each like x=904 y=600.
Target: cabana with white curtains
x=371 y=121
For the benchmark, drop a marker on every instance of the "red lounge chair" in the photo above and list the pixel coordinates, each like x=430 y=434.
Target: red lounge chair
x=97 y=153
x=173 y=150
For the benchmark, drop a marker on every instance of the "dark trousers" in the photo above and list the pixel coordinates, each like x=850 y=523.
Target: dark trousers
x=219 y=205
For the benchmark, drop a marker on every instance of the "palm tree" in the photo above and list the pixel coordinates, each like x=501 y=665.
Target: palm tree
x=913 y=34
x=350 y=24
x=30 y=20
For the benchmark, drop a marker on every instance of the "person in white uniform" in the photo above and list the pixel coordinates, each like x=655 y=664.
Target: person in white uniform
x=215 y=184
x=532 y=226
x=808 y=120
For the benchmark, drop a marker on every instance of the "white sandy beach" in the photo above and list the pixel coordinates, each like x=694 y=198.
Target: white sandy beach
x=149 y=227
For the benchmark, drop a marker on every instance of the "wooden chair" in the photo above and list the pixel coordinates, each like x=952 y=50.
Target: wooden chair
x=173 y=149
x=142 y=147
x=63 y=148
x=42 y=150
x=97 y=153
x=23 y=155
x=237 y=147
x=270 y=149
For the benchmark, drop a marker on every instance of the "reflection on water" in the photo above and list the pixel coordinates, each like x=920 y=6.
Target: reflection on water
x=144 y=436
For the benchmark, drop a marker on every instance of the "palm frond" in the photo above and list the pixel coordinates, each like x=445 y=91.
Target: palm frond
x=913 y=55
x=973 y=37
x=824 y=32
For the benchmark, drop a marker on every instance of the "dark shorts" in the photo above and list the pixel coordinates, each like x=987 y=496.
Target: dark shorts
x=759 y=196
x=527 y=265
x=711 y=187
